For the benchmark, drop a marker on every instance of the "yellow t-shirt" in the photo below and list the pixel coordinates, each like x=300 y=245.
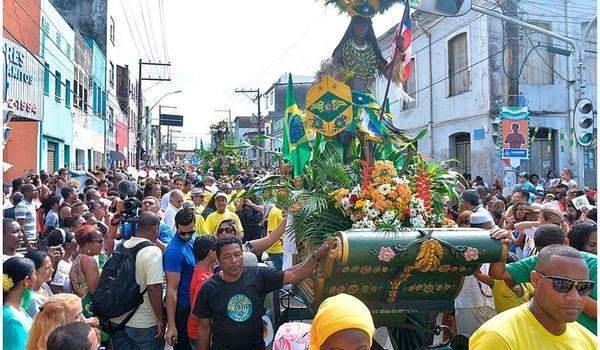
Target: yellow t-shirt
x=518 y=329
x=207 y=196
x=200 y=226
x=505 y=298
x=214 y=219
x=274 y=218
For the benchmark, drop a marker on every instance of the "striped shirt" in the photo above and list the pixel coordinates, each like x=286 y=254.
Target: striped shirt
x=26 y=210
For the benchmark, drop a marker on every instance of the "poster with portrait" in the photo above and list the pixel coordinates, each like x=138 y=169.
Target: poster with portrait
x=515 y=135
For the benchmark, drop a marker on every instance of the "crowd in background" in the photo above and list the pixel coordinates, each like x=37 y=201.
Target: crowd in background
x=59 y=231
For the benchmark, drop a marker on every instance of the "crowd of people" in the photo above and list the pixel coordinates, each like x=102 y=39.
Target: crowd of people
x=197 y=245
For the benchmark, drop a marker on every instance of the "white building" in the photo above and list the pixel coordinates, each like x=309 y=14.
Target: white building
x=458 y=81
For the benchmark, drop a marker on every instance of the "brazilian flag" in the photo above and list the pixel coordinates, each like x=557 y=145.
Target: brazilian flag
x=295 y=148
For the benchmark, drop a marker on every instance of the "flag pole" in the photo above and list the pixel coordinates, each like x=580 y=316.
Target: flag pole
x=393 y=66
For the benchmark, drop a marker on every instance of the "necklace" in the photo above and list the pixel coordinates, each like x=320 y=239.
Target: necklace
x=361 y=47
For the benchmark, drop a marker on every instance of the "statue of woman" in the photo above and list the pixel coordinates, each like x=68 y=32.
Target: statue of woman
x=357 y=61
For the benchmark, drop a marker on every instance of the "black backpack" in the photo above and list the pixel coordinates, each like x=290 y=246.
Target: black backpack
x=118 y=292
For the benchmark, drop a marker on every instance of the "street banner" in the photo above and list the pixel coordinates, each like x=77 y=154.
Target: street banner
x=515 y=132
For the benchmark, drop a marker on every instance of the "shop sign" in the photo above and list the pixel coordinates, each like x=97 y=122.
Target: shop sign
x=24 y=76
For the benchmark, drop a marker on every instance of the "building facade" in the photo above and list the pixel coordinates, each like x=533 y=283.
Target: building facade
x=459 y=85
x=83 y=133
x=21 y=47
x=57 y=41
x=102 y=122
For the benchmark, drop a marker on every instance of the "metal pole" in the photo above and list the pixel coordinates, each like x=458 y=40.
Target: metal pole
x=138 y=150
x=159 y=136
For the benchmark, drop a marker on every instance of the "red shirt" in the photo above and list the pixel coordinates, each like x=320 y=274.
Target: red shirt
x=200 y=275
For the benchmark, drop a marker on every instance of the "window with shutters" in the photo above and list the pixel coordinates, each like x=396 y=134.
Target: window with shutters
x=57 y=85
x=75 y=94
x=536 y=62
x=46 y=79
x=111 y=75
x=67 y=94
x=459 y=76
x=411 y=86
x=590 y=46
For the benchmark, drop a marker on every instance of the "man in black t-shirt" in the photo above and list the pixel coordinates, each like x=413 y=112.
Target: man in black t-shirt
x=230 y=304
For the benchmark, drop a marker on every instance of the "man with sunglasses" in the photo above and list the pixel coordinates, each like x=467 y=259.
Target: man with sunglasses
x=176 y=199
x=179 y=263
x=521 y=271
x=561 y=280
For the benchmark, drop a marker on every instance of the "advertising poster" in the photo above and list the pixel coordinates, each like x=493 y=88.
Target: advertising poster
x=515 y=135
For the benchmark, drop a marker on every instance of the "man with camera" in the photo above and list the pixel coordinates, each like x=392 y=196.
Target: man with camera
x=126 y=230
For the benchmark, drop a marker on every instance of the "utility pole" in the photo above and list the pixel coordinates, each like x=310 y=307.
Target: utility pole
x=161 y=148
x=257 y=100
x=140 y=116
x=511 y=88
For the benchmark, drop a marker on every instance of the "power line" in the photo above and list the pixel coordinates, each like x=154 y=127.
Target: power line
x=146 y=33
x=543 y=60
x=163 y=30
x=455 y=73
x=130 y=30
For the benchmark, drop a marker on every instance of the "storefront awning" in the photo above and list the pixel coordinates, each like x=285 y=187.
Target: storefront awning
x=117 y=156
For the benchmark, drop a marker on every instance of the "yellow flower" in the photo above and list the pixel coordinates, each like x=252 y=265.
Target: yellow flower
x=7 y=283
x=359 y=204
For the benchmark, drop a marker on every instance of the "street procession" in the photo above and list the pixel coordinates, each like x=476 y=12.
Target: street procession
x=299 y=175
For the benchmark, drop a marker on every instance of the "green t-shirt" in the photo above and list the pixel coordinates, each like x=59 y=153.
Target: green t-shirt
x=521 y=269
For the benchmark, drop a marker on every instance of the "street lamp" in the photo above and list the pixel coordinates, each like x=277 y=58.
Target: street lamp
x=149 y=123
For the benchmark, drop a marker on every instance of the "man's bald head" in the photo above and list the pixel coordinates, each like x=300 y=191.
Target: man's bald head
x=176 y=198
x=546 y=254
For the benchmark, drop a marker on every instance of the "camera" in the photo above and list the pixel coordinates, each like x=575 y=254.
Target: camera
x=131 y=209
x=131 y=205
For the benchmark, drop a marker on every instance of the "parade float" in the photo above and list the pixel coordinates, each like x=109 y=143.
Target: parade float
x=351 y=174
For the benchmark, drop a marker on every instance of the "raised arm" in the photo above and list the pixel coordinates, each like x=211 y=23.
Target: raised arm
x=262 y=244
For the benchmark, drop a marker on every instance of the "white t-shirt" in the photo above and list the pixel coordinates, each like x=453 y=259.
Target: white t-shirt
x=148 y=271
x=164 y=201
x=169 y=217
x=61 y=277
x=475 y=293
x=6 y=257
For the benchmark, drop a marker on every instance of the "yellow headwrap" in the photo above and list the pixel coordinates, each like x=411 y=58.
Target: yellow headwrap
x=338 y=313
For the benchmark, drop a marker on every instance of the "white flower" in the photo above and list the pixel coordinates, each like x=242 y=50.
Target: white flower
x=398 y=180
x=389 y=216
x=384 y=189
x=373 y=213
x=356 y=190
x=364 y=223
x=417 y=222
x=345 y=202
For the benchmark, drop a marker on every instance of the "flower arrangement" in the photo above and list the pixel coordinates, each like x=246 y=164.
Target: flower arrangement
x=383 y=199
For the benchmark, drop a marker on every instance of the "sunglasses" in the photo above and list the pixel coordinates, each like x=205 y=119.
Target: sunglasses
x=228 y=230
x=565 y=285
x=189 y=233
